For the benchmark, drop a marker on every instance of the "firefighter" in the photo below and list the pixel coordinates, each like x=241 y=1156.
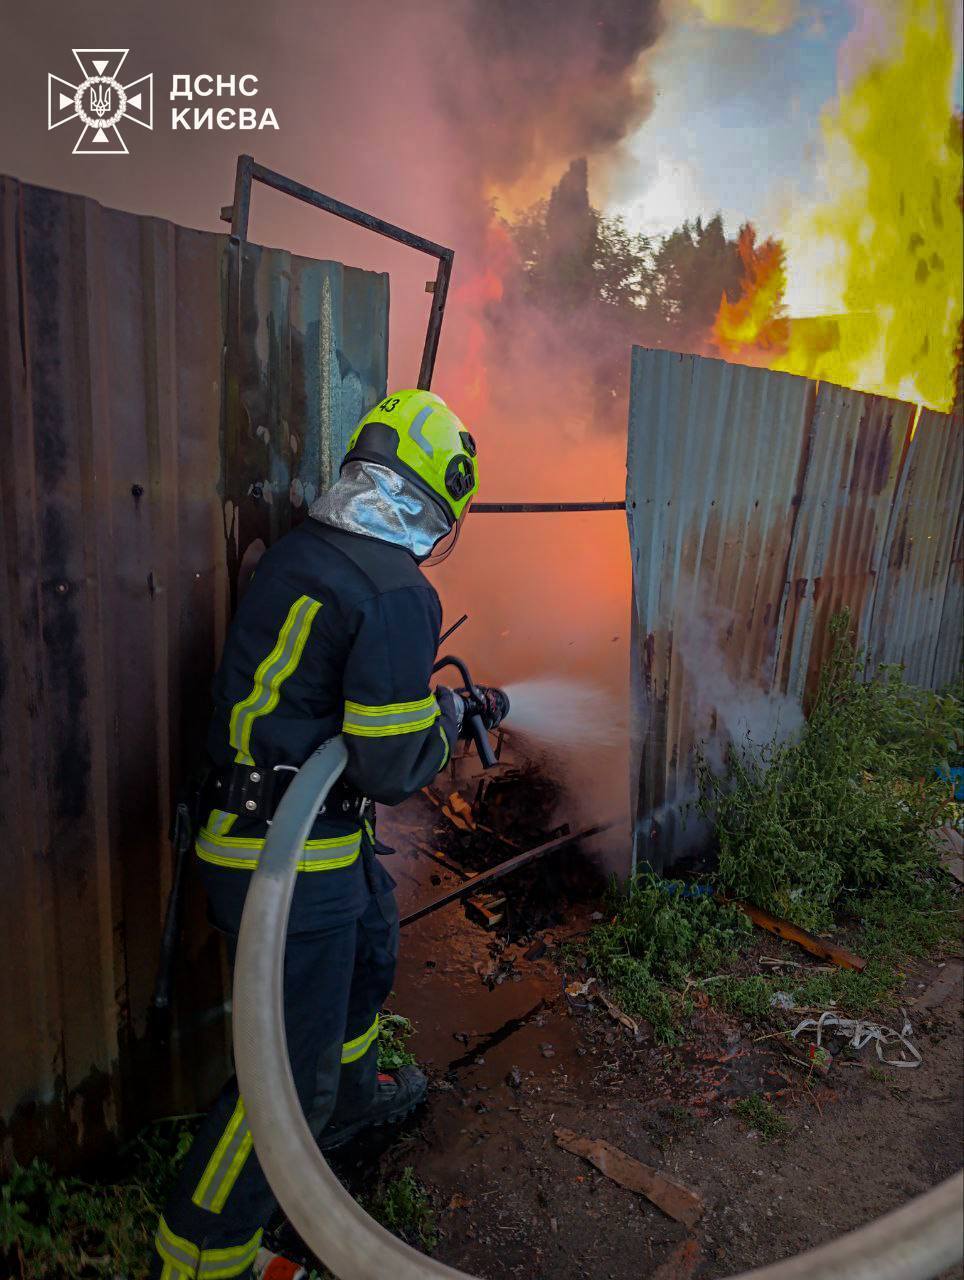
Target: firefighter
x=336 y=633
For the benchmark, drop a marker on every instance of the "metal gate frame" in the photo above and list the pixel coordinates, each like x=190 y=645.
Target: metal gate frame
x=249 y=172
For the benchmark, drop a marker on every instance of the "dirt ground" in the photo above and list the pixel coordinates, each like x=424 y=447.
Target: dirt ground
x=512 y=1059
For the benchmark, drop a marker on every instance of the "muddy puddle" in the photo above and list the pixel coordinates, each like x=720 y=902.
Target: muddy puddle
x=477 y=1002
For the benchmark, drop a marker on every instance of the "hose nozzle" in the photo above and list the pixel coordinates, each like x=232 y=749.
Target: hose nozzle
x=484 y=706
x=494 y=705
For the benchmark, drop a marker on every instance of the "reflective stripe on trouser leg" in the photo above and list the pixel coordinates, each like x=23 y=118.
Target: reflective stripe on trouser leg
x=179 y=1256
x=221 y=1264
x=376 y=952
x=182 y=1258
x=354 y=1049
x=317 y=980
x=221 y=1172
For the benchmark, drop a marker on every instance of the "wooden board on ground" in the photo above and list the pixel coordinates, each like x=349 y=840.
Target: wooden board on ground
x=676 y=1201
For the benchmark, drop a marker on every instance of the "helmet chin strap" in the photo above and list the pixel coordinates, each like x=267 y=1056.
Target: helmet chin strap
x=444 y=547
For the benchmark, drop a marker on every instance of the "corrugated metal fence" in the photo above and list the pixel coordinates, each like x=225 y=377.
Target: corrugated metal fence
x=132 y=489
x=759 y=504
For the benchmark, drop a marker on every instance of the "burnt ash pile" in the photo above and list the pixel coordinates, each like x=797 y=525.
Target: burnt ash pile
x=471 y=820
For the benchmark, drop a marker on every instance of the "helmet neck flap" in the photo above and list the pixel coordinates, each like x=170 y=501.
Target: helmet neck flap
x=379 y=502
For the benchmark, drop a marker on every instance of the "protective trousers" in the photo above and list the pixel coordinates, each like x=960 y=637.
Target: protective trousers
x=335 y=982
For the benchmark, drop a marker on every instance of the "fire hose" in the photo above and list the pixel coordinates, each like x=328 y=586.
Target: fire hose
x=915 y=1242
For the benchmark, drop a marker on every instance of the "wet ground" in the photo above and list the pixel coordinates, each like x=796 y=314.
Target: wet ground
x=512 y=1059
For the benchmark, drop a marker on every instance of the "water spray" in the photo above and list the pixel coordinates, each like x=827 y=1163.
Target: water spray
x=562 y=711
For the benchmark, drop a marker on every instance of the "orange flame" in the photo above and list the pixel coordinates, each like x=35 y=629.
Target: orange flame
x=755 y=325
x=471 y=298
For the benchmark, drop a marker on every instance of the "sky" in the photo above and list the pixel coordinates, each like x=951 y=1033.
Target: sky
x=735 y=127
x=736 y=119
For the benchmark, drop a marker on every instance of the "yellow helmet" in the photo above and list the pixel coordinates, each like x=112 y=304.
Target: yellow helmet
x=416 y=434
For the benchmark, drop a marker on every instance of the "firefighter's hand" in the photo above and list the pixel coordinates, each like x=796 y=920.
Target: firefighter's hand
x=452 y=705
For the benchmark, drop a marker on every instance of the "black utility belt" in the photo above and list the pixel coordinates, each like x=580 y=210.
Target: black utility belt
x=253 y=792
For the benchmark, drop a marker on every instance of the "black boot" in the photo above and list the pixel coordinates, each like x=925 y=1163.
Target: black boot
x=397 y=1094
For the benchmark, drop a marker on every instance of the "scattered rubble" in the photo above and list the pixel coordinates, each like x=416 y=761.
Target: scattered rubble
x=858 y=1033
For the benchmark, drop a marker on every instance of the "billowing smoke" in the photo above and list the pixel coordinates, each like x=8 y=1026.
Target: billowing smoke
x=730 y=708
x=541 y=83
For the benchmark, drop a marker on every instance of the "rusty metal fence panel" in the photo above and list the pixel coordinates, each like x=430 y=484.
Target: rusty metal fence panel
x=759 y=504
x=920 y=593
x=131 y=489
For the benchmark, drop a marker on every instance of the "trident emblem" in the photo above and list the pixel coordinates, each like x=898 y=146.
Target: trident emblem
x=100 y=101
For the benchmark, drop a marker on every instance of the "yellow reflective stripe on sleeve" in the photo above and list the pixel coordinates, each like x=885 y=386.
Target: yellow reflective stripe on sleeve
x=271 y=674
x=390 y=719
x=352 y=1050
x=221 y=1171
x=219 y=1264
x=445 y=748
x=176 y=1251
x=243 y=854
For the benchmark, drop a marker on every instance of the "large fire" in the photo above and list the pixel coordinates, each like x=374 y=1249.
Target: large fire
x=892 y=232
x=541 y=376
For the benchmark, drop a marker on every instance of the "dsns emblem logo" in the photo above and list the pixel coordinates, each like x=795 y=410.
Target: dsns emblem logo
x=100 y=102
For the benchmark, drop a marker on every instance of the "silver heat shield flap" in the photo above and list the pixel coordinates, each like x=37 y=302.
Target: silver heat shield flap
x=371 y=499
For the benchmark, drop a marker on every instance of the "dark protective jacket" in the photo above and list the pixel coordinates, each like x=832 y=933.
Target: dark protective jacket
x=335 y=633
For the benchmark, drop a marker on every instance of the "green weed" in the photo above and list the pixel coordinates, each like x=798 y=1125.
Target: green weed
x=749 y=996
x=64 y=1228
x=405 y=1207
x=814 y=827
x=758 y=1114
x=393 y=1032
x=657 y=939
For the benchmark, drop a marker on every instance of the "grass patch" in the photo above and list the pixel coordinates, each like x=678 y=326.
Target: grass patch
x=749 y=997
x=65 y=1228
x=659 y=937
x=831 y=830
x=756 y=1113
x=404 y=1207
x=394 y=1032
x=819 y=826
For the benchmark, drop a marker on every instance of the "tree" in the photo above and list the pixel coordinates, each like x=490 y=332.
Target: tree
x=665 y=293
x=692 y=269
x=572 y=256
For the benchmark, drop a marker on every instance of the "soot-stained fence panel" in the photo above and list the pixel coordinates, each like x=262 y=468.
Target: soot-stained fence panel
x=131 y=489
x=760 y=503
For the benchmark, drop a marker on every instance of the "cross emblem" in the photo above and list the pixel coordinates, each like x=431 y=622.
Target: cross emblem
x=100 y=102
